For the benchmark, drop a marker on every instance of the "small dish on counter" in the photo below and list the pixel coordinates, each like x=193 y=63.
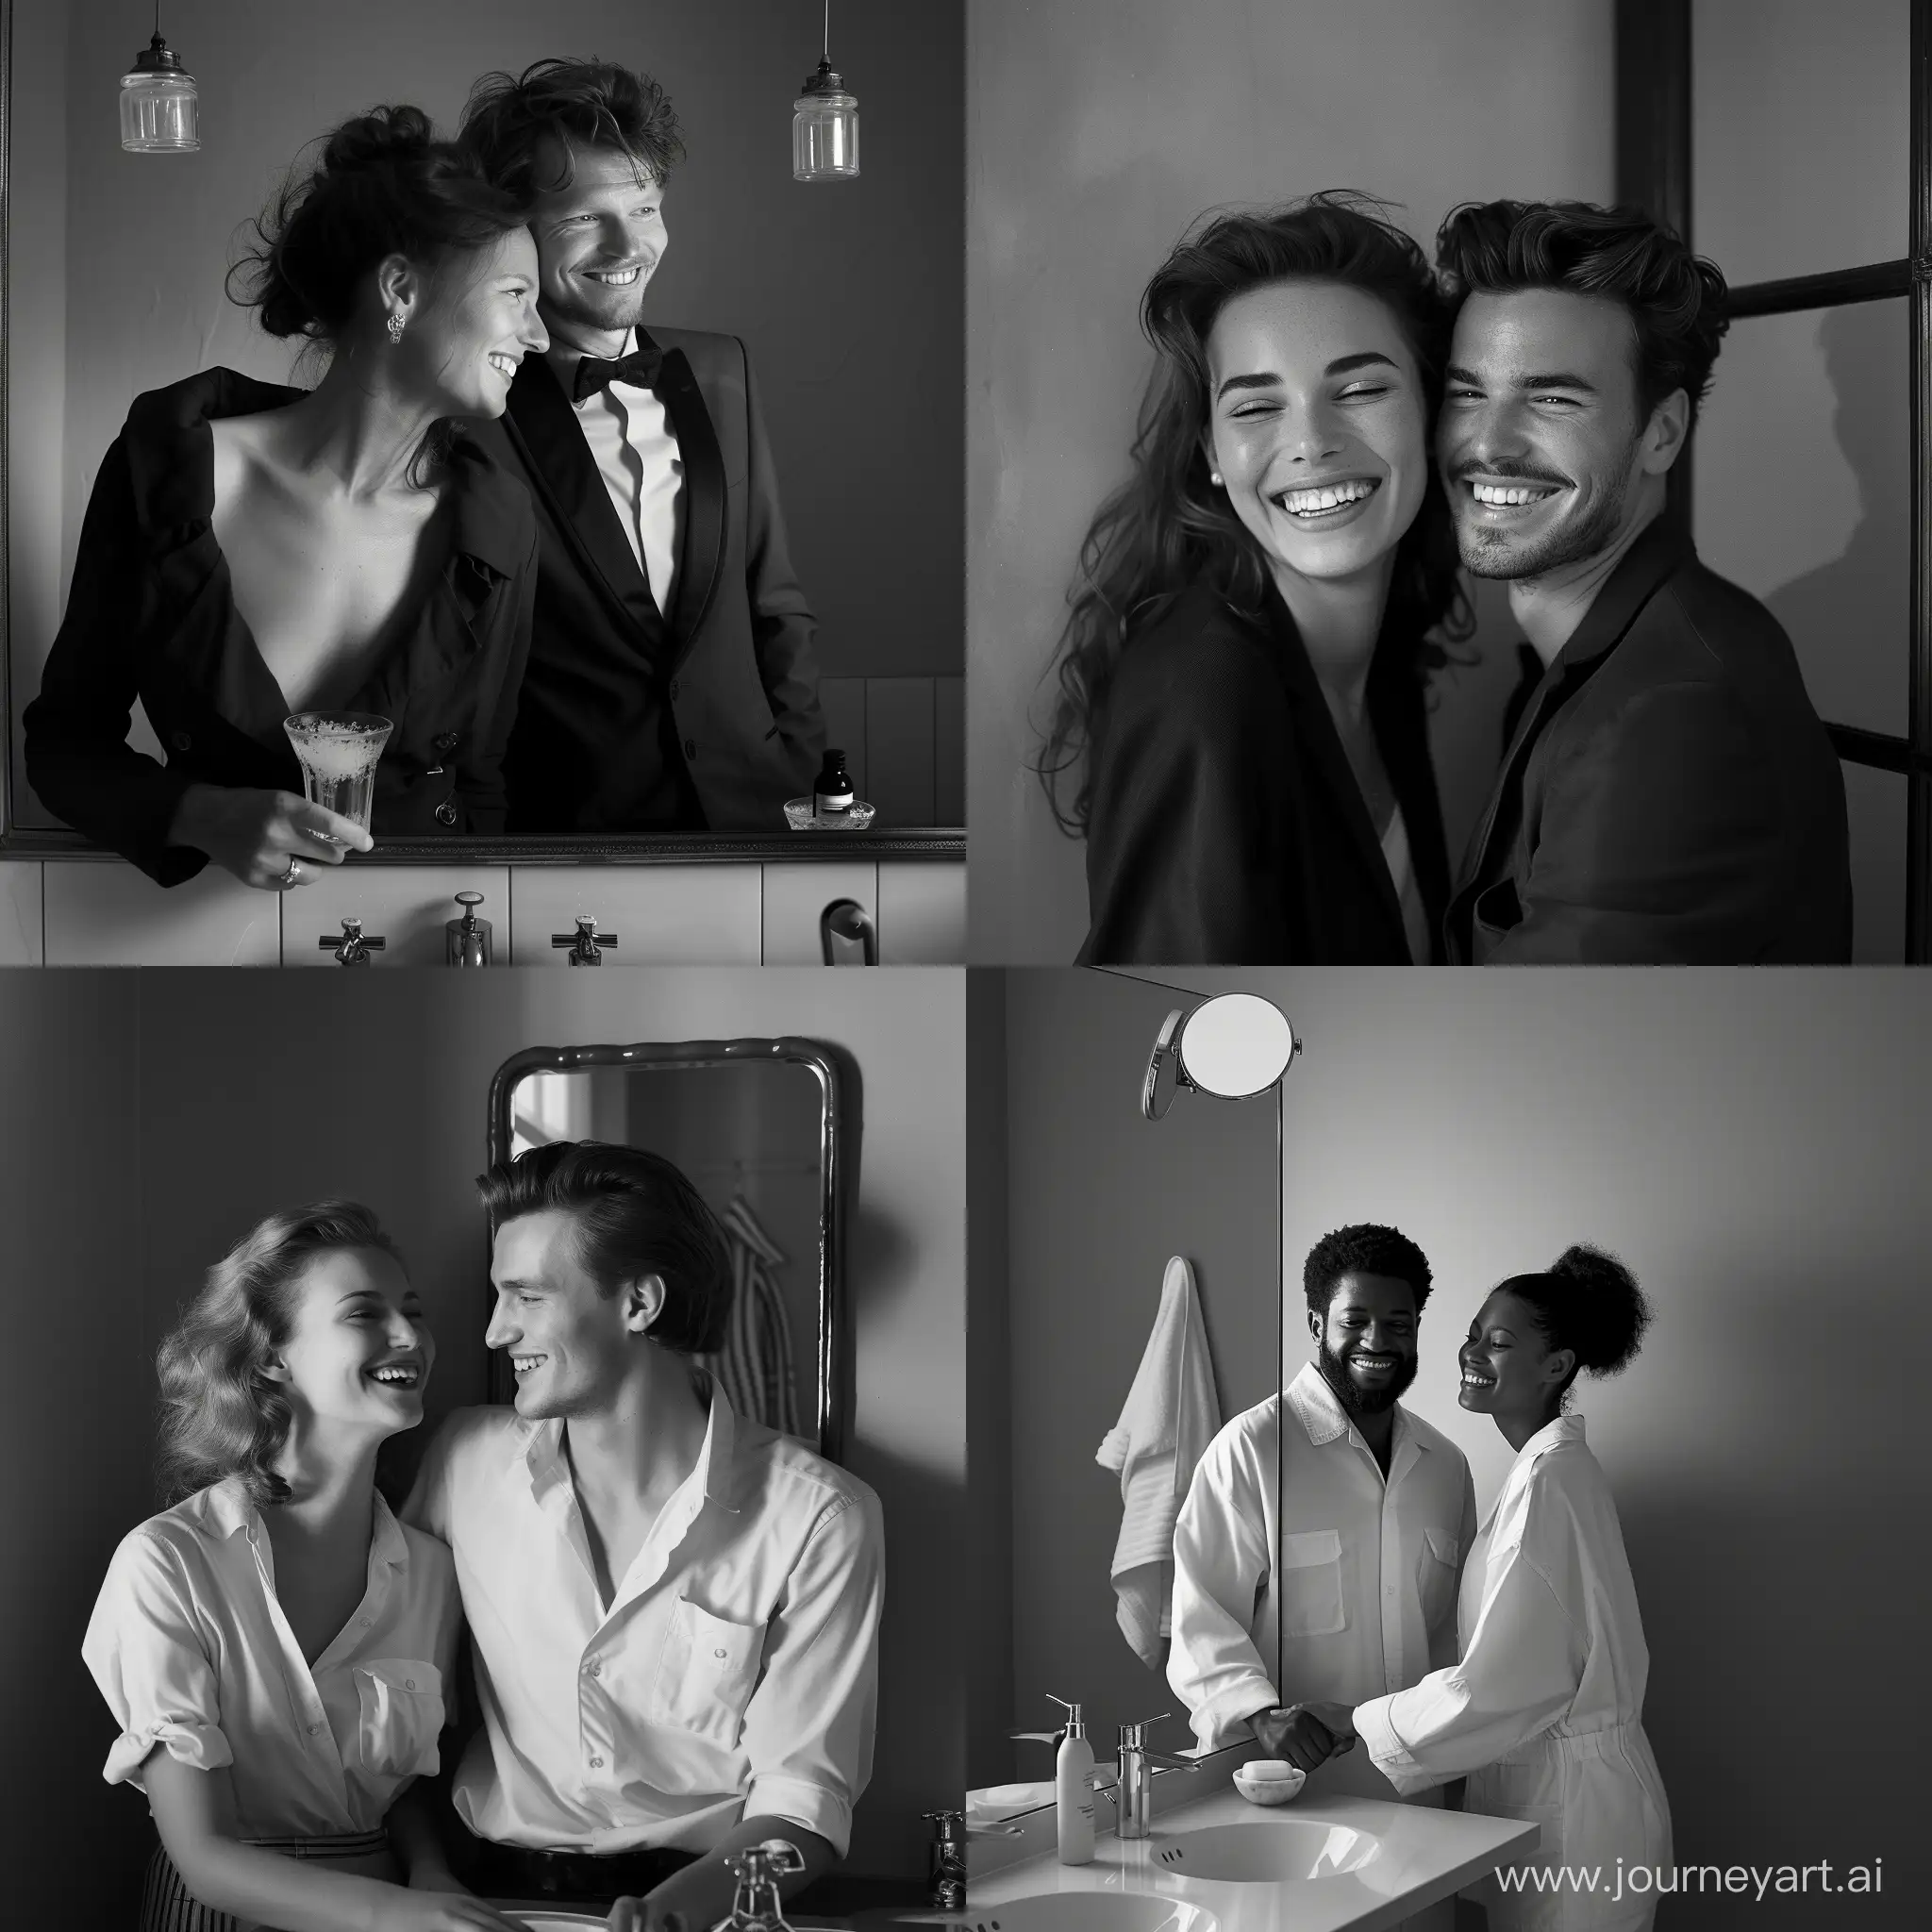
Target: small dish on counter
x=1269 y=1780
x=801 y=817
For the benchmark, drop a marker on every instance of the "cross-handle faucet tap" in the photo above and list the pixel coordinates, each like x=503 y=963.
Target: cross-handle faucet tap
x=354 y=946
x=1138 y=1767
x=947 y=1861
x=585 y=942
x=467 y=940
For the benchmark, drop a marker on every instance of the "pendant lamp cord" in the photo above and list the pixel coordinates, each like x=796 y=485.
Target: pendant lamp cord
x=824 y=51
x=158 y=16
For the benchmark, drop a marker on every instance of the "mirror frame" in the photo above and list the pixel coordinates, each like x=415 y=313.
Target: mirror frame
x=658 y=848
x=837 y=1074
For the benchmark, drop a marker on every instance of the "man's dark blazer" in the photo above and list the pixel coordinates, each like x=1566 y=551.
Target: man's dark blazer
x=630 y=722
x=1669 y=797
x=1225 y=826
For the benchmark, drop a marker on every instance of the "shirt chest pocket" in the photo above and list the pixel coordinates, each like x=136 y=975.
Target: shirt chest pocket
x=399 y=1715
x=706 y=1674
x=1311 y=1584
x=1436 y=1581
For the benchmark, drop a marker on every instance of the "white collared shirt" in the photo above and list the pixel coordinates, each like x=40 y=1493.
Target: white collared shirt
x=1364 y=1590
x=192 y=1651
x=636 y=453
x=735 y=1673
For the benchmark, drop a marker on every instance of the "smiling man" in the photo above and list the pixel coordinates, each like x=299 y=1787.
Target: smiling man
x=1668 y=795
x=1354 y=1557
x=673 y=1609
x=672 y=684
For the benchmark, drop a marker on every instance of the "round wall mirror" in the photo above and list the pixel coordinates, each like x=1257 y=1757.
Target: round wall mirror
x=1233 y=1045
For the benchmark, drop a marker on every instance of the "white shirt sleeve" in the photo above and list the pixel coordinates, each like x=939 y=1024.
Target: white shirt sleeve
x=1221 y=1561
x=1521 y=1673
x=427 y=1508
x=808 y=1724
x=145 y=1648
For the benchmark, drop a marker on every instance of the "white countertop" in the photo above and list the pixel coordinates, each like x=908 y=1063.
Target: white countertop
x=1424 y=1855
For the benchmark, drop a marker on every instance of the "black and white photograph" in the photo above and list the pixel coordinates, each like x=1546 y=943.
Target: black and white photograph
x=857 y=640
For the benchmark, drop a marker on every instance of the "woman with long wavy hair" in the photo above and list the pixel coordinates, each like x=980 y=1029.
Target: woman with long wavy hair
x=274 y=1645
x=1240 y=728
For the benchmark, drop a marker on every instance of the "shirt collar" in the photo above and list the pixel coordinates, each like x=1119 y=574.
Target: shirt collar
x=1319 y=1410
x=564 y=360
x=232 y=1513
x=544 y=1464
x=1565 y=1428
x=1660 y=551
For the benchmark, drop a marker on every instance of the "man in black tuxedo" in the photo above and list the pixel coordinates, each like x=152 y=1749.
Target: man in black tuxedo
x=671 y=684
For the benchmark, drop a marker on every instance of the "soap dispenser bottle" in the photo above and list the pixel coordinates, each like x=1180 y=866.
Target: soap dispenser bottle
x=1073 y=1784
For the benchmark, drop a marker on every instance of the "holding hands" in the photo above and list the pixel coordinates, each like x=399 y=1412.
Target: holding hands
x=1306 y=1735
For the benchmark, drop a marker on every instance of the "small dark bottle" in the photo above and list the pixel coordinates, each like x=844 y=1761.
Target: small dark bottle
x=831 y=792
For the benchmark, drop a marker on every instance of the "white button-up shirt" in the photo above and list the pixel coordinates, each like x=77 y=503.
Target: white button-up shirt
x=192 y=1651
x=1543 y=1708
x=1357 y=1573
x=734 y=1674
x=636 y=456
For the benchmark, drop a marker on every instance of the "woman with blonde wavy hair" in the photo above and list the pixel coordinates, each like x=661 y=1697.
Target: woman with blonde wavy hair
x=274 y=1645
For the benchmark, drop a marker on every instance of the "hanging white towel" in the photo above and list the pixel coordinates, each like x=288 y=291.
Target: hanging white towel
x=1171 y=1416
x=755 y=1365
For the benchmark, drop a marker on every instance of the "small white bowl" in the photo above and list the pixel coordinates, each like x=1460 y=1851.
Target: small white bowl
x=800 y=816
x=1269 y=1781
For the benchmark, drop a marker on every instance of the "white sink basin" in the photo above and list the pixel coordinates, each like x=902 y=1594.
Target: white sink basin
x=1086 y=1911
x=1265 y=1853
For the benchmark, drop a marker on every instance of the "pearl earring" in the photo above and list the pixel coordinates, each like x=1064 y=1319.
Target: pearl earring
x=1214 y=477
x=395 y=327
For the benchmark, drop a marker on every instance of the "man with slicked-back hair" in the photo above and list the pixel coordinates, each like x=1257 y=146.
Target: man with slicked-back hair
x=673 y=1609
x=1668 y=795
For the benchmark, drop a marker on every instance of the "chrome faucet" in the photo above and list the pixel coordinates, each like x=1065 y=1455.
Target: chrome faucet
x=466 y=940
x=353 y=947
x=1138 y=1767
x=585 y=942
x=947 y=1861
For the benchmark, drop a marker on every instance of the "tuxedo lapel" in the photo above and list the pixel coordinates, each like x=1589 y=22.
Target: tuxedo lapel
x=702 y=550
x=544 y=428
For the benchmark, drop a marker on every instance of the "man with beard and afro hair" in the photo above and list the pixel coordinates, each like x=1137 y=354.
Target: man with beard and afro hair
x=1329 y=1517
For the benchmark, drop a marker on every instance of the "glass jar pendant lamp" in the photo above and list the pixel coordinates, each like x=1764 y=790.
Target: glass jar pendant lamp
x=158 y=101
x=824 y=122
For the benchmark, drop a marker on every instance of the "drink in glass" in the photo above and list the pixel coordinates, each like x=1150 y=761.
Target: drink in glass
x=338 y=752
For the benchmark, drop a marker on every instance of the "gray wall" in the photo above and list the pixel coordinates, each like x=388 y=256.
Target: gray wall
x=1754 y=1147
x=1096 y=131
x=199 y=1100
x=1819 y=396
x=849 y=296
x=1098 y=1198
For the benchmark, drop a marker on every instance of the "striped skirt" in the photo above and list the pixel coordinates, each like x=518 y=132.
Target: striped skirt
x=168 y=1905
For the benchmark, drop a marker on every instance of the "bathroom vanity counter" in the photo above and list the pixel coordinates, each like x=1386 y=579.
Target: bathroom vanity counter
x=1312 y=1865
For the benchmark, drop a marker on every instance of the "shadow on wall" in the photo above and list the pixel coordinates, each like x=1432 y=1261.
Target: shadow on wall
x=1865 y=357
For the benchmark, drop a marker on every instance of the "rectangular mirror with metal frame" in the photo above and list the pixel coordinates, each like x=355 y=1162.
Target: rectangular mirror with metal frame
x=767 y=1131
x=846 y=296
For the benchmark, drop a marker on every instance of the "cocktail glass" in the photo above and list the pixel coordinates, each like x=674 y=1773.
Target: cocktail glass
x=338 y=752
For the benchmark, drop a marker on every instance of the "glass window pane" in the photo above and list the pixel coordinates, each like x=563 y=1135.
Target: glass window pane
x=1875 y=804
x=1801 y=127
x=1801 y=473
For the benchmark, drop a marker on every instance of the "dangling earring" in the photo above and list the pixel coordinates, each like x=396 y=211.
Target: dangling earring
x=395 y=327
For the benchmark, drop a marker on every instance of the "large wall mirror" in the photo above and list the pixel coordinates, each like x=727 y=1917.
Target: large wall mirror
x=1073 y=1286
x=767 y=1131
x=847 y=296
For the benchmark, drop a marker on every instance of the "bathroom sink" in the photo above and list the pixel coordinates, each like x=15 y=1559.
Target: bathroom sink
x=1264 y=1853
x=1086 y=1911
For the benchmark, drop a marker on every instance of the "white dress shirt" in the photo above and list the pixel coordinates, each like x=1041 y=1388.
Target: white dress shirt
x=735 y=1673
x=192 y=1651
x=636 y=453
x=1363 y=1592
x=1543 y=1712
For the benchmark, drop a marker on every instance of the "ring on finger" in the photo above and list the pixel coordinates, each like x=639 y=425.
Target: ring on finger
x=292 y=877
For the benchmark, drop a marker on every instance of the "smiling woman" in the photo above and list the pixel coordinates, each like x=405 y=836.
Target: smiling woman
x=1240 y=731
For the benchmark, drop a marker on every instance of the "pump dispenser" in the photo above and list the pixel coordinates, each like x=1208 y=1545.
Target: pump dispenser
x=1073 y=1784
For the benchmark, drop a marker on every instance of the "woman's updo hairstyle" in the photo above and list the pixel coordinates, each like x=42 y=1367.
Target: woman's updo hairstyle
x=1589 y=1303
x=384 y=186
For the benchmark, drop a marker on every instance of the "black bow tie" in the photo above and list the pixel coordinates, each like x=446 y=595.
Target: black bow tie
x=639 y=369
